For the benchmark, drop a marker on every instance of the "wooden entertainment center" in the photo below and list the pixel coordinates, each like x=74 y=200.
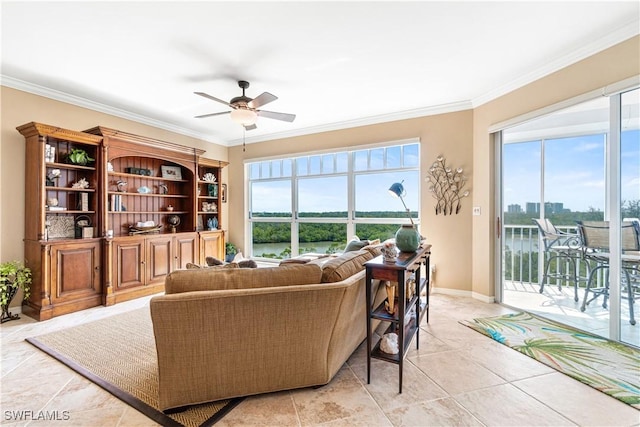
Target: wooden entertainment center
x=110 y=230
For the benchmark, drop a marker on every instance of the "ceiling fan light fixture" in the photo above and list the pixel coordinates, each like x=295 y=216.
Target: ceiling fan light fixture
x=244 y=116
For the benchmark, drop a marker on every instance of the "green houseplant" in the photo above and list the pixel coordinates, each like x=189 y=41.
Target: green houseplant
x=230 y=250
x=78 y=156
x=13 y=276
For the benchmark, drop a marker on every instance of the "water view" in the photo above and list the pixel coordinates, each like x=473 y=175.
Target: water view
x=282 y=250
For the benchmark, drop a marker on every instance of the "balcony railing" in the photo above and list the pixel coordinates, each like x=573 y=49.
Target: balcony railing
x=523 y=256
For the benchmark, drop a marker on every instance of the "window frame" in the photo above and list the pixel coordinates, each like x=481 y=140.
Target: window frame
x=351 y=219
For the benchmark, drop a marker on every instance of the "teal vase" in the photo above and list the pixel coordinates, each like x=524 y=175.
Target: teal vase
x=407 y=238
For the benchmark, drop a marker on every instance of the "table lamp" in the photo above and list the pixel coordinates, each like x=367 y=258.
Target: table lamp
x=407 y=237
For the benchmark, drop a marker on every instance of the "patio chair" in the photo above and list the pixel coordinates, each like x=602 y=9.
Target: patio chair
x=565 y=249
x=595 y=241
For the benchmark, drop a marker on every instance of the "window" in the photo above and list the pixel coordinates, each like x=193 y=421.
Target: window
x=315 y=203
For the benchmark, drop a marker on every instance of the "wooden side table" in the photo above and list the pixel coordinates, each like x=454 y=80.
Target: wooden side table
x=405 y=321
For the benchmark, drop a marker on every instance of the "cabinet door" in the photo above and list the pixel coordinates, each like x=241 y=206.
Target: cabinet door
x=129 y=264
x=75 y=271
x=159 y=259
x=211 y=244
x=186 y=250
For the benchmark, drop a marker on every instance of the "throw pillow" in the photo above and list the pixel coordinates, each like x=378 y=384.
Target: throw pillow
x=211 y=261
x=247 y=263
x=356 y=245
x=191 y=266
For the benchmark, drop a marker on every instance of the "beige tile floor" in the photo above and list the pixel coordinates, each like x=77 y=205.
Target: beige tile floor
x=457 y=377
x=559 y=304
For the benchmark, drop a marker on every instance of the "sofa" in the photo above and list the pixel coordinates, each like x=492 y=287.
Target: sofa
x=228 y=332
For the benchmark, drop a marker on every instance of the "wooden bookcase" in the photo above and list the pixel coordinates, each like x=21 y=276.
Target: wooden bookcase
x=66 y=270
x=96 y=247
x=209 y=193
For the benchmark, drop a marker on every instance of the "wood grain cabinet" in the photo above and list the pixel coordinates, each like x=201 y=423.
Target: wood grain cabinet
x=211 y=245
x=62 y=214
x=140 y=266
x=87 y=235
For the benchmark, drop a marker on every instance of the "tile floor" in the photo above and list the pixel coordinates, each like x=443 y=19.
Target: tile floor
x=457 y=377
x=559 y=305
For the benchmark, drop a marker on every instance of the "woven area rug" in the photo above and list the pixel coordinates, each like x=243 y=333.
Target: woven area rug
x=118 y=353
x=605 y=365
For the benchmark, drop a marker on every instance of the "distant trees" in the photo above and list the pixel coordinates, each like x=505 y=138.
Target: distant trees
x=280 y=232
x=631 y=208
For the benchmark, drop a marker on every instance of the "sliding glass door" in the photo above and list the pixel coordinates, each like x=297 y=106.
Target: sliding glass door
x=560 y=173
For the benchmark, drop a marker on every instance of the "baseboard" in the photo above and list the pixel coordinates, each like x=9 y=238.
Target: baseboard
x=15 y=309
x=483 y=298
x=467 y=294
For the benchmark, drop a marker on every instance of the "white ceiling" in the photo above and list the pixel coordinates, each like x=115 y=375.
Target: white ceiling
x=333 y=64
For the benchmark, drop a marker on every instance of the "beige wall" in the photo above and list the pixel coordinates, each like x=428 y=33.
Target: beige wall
x=449 y=135
x=18 y=108
x=612 y=65
x=462 y=244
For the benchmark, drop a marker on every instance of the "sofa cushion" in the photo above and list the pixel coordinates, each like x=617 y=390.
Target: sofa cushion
x=215 y=278
x=344 y=266
x=374 y=248
x=192 y=266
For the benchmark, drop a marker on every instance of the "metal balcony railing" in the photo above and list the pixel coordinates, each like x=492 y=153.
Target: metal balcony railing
x=523 y=256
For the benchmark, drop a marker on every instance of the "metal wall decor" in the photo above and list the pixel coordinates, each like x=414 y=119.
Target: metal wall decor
x=446 y=186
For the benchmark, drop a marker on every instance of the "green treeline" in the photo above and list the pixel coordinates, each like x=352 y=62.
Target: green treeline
x=629 y=209
x=278 y=232
x=337 y=214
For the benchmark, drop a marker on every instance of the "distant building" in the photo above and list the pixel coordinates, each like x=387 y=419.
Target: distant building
x=533 y=208
x=553 y=208
x=514 y=209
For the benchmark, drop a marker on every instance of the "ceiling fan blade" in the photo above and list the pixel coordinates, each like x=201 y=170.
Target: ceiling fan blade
x=261 y=100
x=211 y=115
x=251 y=127
x=213 y=98
x=278 y=116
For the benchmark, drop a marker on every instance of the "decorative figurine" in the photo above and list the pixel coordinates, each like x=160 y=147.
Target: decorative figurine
x=212 y=224
x=174 y=222
x=389 y=252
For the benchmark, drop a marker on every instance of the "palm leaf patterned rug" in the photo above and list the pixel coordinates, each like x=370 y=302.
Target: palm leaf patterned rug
x=610 y=367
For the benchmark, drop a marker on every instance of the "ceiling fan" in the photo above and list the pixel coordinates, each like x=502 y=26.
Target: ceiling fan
x=244 y=110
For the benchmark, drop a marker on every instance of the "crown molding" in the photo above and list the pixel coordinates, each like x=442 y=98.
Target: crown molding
x=615 y=37
x=57 y=95
x=365 y=121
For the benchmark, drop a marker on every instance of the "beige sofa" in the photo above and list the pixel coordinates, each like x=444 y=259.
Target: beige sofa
x=223 y=333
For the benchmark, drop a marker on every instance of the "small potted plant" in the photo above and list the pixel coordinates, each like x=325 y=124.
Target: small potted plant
x=13 y=276
x=78 y=156
x=231 y=251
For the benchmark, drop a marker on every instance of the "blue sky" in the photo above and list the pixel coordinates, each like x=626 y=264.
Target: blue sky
x=377 y=167
x=574 y=171
x=574 y=175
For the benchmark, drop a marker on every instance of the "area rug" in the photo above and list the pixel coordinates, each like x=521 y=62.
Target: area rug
x=118 y=353
x=610 y=367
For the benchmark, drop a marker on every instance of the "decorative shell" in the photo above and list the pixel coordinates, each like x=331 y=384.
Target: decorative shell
x=209 y=177
x=82 y=183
